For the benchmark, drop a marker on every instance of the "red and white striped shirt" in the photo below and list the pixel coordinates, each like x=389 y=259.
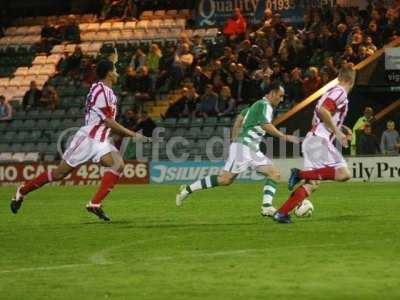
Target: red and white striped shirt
x=101 y=103
x=335 y=100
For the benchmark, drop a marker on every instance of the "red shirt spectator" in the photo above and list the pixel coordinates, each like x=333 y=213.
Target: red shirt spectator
x=237 y=25
x=312 y=82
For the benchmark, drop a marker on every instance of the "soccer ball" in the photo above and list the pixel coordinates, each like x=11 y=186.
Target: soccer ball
x=305 y=209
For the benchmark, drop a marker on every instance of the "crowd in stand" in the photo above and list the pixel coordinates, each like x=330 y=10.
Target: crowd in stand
x=365 y=142
x=51 y=34
x=35 y=98
x=245 y=60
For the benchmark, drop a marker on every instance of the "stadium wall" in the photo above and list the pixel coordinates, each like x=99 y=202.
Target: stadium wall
x=373 y=169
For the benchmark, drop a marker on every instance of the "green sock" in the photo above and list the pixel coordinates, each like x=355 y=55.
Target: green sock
x=269 y=192
x=203 y=184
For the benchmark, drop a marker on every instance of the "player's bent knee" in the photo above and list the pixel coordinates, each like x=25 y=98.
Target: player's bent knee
x=225 y=180
x=343 y=175
x=276 y=176
x=120 y=167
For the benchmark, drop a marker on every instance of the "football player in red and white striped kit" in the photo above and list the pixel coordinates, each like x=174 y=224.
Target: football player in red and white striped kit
x=322 y=160
x=91 y=142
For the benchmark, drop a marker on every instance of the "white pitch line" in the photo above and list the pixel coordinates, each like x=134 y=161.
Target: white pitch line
x=50 y=268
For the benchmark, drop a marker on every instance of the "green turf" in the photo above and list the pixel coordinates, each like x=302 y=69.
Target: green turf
x=216 y=246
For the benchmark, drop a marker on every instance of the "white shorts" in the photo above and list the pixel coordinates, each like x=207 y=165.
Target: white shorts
x=83 y=149
x=241 y=157
x=319 y=152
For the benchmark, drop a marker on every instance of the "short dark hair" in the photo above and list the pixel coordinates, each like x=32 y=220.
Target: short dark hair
x=275 y=86
x=103 y=68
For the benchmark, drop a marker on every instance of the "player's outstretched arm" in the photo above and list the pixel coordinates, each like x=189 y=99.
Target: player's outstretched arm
x=272 y=130
x=326 y=117
x=236 y=126
x=118 y=128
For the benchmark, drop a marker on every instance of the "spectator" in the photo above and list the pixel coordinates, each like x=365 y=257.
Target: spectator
x=153 y=58
x=199 y=79
x=312 y=81
x=72 y=33
x=390 y=141
x=279 y=26
x=208 y=102
x=225 y=105
x=329 y=68
x=341 y=38
x=240 y=87
x=236 y=26
x=49 y=98
x=176 y=109
x=199 y=50
x=143 y=85
x=48 y=37
x=31 y=97
x=129 y=84
x=349 y=55
x=5 y=109
x=138 y=59
x=129 y=119
x=153 y=63
x=374 y=33
x=182 y=63
x=295 y=87
x=291 y=43
x=358 y=127
x=368 y=143
x=73 y=62
x=146 y=125
x=191 y=102
x=371 y=48
x=88 y=72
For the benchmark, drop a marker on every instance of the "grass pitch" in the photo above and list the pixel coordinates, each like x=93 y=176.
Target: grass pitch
x=217 y=246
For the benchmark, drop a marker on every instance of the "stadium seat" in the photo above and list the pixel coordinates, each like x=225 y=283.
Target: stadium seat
x=83 y=27
x=9 y=136
x=15 y=147
x=197 y=122
x=93 y=27
x=172 y=13
x=18 y=156
x=106 y=26
x=183 y=122
x=21 y=71
x=42 y=124
x=29 y=124
x=55 y=124
x=194 y=132
x=15 y=125
x=117 y=26
x=210 y=121
x=58 y=113
x=146 y=15
x=51 y=149
x=5 y=156
x=49 y=157
x=39 y=60
x=143 y=24
x=130 y=25
x=207 y=132
x=19 y=115
x=32 y=114
x=28 y=147
x=34 y=136
x=32 y=156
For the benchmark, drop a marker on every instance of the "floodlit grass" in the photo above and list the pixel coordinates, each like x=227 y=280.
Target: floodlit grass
x=217 y=246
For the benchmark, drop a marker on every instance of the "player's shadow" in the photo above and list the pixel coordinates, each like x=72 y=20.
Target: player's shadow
x=341 y=218
x=126 y=224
